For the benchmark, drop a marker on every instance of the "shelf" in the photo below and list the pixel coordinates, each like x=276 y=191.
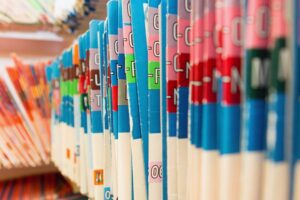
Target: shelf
x=8 y=174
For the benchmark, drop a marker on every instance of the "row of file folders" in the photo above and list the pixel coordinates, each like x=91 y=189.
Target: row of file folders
x=180 y=99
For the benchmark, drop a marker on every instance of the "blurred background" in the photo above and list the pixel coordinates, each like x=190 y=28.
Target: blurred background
x=35 y=31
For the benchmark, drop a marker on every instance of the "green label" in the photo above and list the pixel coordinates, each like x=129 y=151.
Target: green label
x=279 y=65
x=153 y=76
x=75 y=86
x=63 y=88
x=258 y=65
x=130 y=68
x=84 y=102
x=68 y=87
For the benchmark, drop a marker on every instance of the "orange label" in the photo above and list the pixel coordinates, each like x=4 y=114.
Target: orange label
x=98 y=177
x=68 y=153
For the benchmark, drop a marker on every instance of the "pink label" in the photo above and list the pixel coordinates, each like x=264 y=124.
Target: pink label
x=155 y=172
x=232 y=32
x=96 y=100
x=153 y=48
x=153 y=38
x=126 y=11
x=120 y=41
x=113 y=47
x=198 y=41
x=128 y=39
x=184 y=39
x=193 y=18
x=219 y=21
x=172 y=63
x=279 y=23
x=209 y=35
x=192 y=47
x=258 y=21
x=94 y=59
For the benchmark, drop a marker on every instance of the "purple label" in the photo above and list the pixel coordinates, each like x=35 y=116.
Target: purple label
x=94 y=59
x=153 y=21
x=172 y=31
x=184 y=9
x=96 y=100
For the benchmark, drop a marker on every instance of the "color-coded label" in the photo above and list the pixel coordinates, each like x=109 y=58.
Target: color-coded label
x=113 y=44
x=95 y=100
x=257 y=73
x=122 y=92
x=172 y=96
x=197 y=84
x=153 y=42
x=98 y=177
x=183 y=69
x=68 y=154
x=153 y=75
x=231 y=79
x=232 y=32
x=107 y=194
x=128 y=40
x=130 y=69
x=209 y=81
x=155 y=172
x=258 y=20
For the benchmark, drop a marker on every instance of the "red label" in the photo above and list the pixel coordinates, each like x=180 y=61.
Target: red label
x=184 y=70
x=209 y=81
x=95 y=79
x=87 y=72
x=196 y=83
x=172 y=96
x=108 y=77
x=231 y=81
x=81 y=84
x=115 y=97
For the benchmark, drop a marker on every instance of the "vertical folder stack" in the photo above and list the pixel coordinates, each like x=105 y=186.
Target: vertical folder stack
x=166 y=99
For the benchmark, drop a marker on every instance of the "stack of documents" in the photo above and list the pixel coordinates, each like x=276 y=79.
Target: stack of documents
x=25 y=116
